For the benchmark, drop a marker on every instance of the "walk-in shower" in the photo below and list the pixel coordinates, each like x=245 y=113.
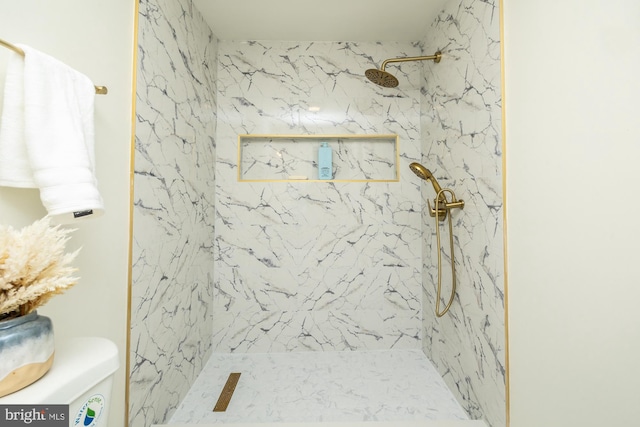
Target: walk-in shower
x=385 y=79
x=310 y=270
x=441 y=206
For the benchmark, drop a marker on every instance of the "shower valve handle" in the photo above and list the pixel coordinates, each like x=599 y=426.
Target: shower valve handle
x=441 y=207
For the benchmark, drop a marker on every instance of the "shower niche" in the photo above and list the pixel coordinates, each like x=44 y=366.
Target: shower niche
x=355 y=158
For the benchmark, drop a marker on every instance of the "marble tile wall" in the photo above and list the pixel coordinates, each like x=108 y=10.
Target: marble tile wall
x=315 y=265
x=462 y=145
x=173 y=227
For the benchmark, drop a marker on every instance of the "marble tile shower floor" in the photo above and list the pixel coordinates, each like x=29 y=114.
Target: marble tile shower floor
x=346 y=388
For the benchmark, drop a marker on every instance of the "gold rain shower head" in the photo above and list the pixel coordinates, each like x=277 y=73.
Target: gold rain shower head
x=385 y=79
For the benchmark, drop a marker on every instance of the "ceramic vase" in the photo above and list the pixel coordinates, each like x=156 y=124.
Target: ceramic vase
x=26 y=351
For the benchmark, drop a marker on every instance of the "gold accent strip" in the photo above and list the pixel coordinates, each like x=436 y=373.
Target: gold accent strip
x=504 y=222
x=318 y=137
x=132 y=151
x=227 y=392
x=100 y=90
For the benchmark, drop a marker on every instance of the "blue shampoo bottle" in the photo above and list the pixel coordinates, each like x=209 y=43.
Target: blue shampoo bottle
x=325 y=162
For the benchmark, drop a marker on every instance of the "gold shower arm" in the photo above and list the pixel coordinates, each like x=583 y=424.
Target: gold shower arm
x=435 y=58
x=100 y=90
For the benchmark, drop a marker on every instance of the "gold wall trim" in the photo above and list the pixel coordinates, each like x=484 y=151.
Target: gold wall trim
x=244 y=137
x=504 y=220
x=132 y=152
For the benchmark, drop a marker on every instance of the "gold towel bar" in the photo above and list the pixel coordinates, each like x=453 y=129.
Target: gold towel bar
x=100 y=90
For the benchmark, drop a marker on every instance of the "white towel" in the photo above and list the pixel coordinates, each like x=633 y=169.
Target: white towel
x=47 y=137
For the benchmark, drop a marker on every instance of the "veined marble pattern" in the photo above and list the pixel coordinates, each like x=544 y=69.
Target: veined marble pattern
x=315 y=266
x=462 y=144
x=174 y=207
x=321 y=387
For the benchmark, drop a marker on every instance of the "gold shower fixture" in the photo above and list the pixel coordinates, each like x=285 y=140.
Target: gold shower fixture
x=440 y=204
x=439 y=211
x=385 y=79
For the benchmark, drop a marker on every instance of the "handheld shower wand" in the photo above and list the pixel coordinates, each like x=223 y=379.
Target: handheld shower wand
x=426 y=174
x=441 y=207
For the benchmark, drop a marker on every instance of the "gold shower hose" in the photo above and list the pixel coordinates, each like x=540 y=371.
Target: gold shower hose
x=440 y=196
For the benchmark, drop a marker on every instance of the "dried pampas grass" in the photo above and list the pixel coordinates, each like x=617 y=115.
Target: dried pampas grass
x=33 y=266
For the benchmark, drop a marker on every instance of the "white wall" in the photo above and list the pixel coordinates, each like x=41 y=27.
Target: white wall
x=96 y=38
x=573 y=148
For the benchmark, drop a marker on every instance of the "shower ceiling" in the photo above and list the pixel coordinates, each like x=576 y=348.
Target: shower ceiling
x=320 y=20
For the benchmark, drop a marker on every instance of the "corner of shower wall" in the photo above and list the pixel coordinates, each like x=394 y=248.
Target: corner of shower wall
x=173 y=218
x=461 y=141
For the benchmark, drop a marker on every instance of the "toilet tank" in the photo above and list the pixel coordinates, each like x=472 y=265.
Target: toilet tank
x=81 y=376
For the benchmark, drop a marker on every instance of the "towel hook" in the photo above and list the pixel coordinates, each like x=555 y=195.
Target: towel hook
x=100 y=90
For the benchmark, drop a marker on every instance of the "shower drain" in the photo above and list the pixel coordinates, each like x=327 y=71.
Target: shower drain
x=227 y=392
